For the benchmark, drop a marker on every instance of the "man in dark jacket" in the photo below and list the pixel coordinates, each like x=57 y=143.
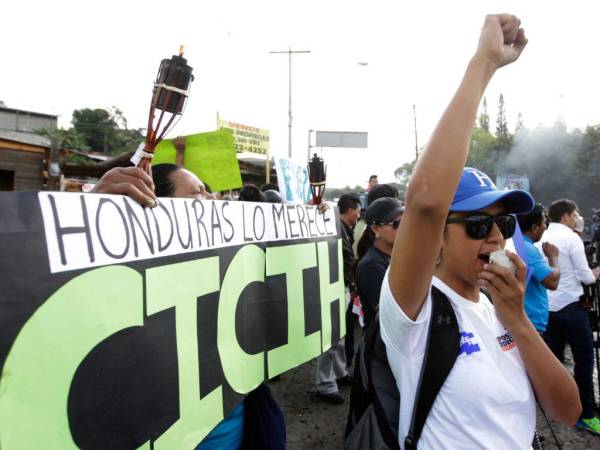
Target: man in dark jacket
x=331 y=365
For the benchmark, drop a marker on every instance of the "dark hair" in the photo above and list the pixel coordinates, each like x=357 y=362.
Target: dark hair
x=161 y=175
x=365 y=242
x=535 y=217
x=561 y=207
x=348 y=201
x=273 y=196
x=372 y=176
x=251 y=193
x=269 y=187
x=381 y=190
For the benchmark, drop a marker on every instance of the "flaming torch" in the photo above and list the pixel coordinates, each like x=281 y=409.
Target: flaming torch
x=316 y=176
x=170 y=93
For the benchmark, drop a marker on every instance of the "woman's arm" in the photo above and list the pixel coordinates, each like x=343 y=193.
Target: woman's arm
x=439 y=168
x=553 y=385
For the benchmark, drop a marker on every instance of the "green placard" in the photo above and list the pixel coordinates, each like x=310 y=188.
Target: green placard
x=211 y=156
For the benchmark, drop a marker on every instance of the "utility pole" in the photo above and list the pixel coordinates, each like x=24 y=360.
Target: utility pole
x=416 y=143
x=289 y=53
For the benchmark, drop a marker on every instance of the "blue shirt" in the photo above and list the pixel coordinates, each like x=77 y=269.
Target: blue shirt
x=536 y=297
x=228 y=434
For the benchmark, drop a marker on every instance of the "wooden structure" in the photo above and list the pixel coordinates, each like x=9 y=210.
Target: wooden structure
x=23 y=166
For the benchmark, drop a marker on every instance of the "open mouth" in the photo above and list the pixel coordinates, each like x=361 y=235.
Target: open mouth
x=485 y=257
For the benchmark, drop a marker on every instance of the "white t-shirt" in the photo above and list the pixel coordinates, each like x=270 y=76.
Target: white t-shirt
x=573 y=265
x=486 y=402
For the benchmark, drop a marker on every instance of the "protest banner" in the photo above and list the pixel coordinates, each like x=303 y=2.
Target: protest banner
x=292 y=178
x=246 y=138
x=130 y=327
x=211 y=156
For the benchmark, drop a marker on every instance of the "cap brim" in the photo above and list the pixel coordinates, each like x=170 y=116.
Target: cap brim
x=393 y=214
x=515 y=201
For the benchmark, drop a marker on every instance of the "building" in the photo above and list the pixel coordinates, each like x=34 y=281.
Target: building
x=24 y=155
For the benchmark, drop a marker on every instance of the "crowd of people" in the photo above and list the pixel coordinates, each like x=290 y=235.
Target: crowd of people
x=514 y=321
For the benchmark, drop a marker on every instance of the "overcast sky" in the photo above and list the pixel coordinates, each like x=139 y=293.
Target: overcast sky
x=63 y=55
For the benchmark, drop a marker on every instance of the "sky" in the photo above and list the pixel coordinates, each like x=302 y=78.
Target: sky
x=64 y=55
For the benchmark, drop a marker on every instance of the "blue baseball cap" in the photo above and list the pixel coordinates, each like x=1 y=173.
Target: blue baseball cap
x=477 y=191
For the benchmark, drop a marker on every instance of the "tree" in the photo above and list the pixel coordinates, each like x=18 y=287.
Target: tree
x=97 y=126
x=403 y=174
x=106 y=130
x=66 y=138
x=501 y=124
x=484 y=118
x=519 y=126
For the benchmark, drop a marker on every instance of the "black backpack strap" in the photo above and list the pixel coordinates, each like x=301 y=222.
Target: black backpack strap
x=441 y=351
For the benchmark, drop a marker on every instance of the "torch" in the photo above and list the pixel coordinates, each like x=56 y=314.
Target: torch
x=316 y=177
x=169 y=96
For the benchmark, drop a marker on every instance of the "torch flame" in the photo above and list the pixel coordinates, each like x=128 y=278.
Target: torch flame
x=181 y=50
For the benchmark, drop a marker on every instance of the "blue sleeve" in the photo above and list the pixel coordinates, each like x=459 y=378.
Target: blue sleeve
x=538 y=264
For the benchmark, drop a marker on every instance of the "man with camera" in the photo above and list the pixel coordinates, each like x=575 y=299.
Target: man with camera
x=568 y=322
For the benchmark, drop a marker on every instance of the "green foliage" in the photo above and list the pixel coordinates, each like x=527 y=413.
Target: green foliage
x=501 y=124
x=66 y=138
x=97 y=130
x=559 y=163
x=484 y=118
x=332 y=193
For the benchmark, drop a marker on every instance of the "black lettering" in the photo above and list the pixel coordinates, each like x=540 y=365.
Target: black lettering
x=101 y=203
x=327 y=220
x=246 y=238
x=187 y=213
x=133 y=219
x=278 y=215
x=254 y=224
x=215 y=222
x=62 y=231
x=301 y=220
x=199 y=221
x=158 y=240
x=223 y=205
x=310 y=222
x=291 y=222
x=318 y=215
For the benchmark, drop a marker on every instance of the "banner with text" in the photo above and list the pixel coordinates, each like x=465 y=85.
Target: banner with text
x=129 y=327
x=247 y=138
x=294 y=185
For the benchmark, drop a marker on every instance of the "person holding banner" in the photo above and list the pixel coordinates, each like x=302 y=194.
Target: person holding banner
x=256 y=422
x=168 y=180
x=454 y=218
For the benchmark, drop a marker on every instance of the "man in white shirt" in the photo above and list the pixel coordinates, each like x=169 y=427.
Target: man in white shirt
x=568 y=322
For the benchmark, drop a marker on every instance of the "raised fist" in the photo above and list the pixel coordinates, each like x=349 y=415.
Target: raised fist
x=501 y=40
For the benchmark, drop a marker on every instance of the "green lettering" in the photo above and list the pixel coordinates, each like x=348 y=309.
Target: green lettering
x=243 y=371
x=331 y=292
x=179 y=285
x=35 y=381
x=292 y=260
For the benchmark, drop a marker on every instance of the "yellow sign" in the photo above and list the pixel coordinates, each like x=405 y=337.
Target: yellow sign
x=247 y=138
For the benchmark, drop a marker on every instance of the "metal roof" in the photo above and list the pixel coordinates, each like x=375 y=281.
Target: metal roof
x=25 y=138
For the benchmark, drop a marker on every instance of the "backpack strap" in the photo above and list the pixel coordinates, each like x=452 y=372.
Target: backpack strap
x=441 y=351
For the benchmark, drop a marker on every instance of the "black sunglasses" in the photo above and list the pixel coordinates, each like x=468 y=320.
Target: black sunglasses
x=395 y=224
x=478 y=226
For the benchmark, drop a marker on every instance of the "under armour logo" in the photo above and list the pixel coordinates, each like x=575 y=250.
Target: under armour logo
x=482 y=178
x=443 y=319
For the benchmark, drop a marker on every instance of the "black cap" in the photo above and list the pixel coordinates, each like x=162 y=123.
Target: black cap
x=383 y=210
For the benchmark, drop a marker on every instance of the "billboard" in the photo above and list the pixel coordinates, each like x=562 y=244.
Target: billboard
x=247 y=138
